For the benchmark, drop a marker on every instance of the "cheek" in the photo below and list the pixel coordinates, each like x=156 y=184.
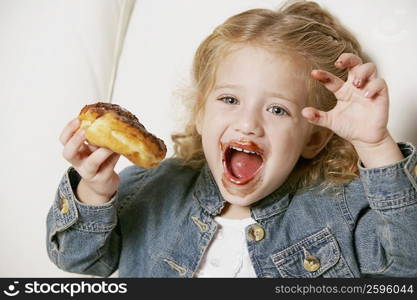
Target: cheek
x=210 y=132
x=286 y=138
x=213 y=123
x=285 y=152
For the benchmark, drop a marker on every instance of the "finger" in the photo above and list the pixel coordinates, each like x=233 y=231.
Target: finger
x=330 y=81
x=375 y=87
x=107 y=168
x=92 y=163
x=72 y=148
x=316 y=117
x=361 y=74
x=348 y=60
x=86 y=149
x=69 y=130
x=91 y=147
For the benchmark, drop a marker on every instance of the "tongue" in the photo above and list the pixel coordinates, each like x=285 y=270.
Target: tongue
x=244 y=165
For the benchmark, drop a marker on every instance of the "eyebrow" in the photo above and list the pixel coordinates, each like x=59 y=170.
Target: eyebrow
x=272 y=94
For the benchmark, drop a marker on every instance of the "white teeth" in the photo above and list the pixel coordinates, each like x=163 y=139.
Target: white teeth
x=243 y=150
x=234 y=181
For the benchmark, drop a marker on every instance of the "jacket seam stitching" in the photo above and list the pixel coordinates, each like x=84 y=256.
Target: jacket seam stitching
x=347 y=216
x=325 y=232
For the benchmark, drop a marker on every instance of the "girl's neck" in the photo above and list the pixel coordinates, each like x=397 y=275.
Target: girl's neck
x=233 y=211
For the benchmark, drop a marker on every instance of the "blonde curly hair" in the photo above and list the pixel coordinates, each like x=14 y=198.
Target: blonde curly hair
x=298 y=28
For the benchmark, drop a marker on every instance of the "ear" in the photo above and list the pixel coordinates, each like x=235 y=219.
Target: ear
x=319 y=138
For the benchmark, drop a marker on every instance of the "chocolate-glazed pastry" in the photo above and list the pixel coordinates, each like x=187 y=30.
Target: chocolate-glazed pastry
x=111 y=126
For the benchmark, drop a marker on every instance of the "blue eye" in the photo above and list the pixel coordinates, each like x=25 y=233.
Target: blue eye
x=229 y=100
x=277 y=110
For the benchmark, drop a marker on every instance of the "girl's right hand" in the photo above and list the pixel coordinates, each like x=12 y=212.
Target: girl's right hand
x=95 y=165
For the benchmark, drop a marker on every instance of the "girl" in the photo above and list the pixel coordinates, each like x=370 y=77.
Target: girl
x=285 y=169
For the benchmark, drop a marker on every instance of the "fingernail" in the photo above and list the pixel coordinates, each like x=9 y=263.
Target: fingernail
x=357 y=82
x=367 y=94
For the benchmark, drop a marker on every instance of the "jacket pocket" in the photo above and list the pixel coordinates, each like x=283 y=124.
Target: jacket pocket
x=314 y=256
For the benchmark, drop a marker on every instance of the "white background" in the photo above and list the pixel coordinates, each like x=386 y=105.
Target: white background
x=56 y=56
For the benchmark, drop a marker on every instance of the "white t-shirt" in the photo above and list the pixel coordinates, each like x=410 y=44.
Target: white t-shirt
x=227 y=255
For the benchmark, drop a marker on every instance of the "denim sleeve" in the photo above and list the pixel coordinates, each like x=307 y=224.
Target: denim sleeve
x=81 y=238
x=386 y=229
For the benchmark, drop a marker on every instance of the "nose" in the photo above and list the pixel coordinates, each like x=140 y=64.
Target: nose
x=249 y=123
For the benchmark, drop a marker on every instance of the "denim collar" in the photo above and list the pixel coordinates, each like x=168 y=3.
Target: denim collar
x=207 y=193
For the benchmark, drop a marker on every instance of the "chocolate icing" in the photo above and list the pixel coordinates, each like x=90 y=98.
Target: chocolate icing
x=125 y=116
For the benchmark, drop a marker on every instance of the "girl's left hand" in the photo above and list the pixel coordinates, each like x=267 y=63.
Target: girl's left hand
x=361 y=113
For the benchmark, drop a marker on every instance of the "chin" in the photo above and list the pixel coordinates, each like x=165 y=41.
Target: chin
x=239 y=198
x=245 y=191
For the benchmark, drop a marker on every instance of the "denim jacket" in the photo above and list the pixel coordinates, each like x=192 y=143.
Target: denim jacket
x=161 y=221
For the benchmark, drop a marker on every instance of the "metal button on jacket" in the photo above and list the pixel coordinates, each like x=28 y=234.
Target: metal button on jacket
x=256 y=233
x=311 y=263
x=64 y=205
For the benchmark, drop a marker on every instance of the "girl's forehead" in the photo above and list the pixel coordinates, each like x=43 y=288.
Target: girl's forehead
x=276 y=52
x=260 y=68
x=249 y=55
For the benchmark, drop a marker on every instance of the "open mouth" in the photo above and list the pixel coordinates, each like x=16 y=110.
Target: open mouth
x=242 y=162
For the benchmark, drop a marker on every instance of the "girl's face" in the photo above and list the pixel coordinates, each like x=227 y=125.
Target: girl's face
x=252 y=129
